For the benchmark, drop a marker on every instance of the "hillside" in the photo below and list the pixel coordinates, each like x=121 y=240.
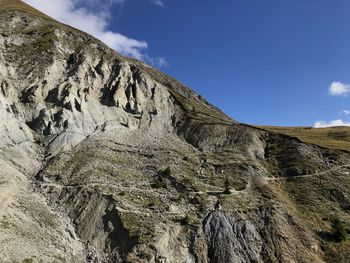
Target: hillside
x=334 y=138
x=106 y=159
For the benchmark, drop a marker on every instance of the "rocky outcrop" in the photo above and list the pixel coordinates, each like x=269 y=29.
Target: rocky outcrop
x=231 y=239
x=105 y=159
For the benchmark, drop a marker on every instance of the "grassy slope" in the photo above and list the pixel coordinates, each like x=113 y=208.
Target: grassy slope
x=17 y=5
x=333 y=138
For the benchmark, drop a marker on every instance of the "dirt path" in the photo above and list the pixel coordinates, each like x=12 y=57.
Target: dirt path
x=338 y=167
x=235 y=192
x=216 y=192
x=135 y=188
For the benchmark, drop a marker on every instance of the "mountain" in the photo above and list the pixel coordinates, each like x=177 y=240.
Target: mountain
x=106 y=159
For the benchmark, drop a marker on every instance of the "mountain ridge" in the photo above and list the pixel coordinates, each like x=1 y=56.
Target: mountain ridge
x=105 y=159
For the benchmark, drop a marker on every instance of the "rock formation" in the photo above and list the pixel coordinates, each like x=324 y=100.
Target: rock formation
x=106 y=159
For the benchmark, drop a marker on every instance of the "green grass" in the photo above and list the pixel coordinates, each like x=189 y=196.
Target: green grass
x=333 y=138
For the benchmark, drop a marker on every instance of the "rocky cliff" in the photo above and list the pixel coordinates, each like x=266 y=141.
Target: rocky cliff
x=106 y=159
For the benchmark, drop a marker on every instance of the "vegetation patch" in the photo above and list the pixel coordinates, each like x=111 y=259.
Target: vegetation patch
x=333 y=138
x=339 y=231
x=138 y=227
x=186 y=220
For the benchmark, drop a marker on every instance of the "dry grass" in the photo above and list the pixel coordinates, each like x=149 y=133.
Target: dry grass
x=333 y=138
x=17 y=5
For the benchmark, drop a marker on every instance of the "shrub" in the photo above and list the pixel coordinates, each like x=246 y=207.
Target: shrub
x=151 y=204
x=186 y=220
x=227 y=186
x=187 y=181
x=167 y=171
x=339 y=231
x=159 y=183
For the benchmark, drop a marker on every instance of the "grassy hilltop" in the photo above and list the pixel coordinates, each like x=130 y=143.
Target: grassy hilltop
x=334 y=138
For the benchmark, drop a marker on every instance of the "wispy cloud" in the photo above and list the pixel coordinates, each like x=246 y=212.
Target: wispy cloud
x=159 y=62
x=93 y=17
x=339 y=89
x=324 y=124
x=158 y=2
x=346 y=112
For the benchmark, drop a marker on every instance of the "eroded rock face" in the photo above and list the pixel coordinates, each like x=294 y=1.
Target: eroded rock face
x=105 y=159
x=79 y=94
x=232 y=239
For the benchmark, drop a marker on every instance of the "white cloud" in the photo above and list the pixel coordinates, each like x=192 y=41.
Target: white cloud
x=346 y=112
x=324 y=124
x=339 y=89
x=161 y=62
x=158 y=3
x=93 y=16
x=157 y=61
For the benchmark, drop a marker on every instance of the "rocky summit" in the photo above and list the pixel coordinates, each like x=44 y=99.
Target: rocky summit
x=106 y=159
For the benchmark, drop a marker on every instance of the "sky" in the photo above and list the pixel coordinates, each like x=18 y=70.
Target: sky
x=271 y=62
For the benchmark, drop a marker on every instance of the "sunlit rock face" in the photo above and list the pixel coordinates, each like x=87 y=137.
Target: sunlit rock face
x=106 y=159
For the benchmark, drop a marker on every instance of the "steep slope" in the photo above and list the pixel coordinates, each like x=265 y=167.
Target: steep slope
x=105 y=159
x=334 y=137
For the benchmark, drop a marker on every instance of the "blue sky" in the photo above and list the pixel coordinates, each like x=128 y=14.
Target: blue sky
x=276 y=62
